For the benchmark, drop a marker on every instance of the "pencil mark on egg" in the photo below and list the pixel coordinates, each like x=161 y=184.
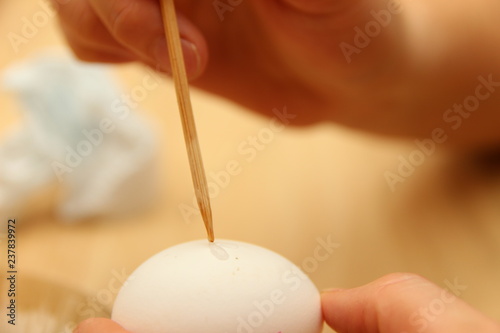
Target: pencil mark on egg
x=218 y=251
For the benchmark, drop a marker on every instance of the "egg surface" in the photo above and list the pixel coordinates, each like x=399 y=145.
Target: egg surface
x=221 y=287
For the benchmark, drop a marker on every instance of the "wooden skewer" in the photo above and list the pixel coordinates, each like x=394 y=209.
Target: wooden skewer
x=186 y=111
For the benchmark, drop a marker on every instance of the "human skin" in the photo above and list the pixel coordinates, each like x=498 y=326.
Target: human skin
x=396 y=303
x=266 y=54
x=402 y=303
x=269 y=53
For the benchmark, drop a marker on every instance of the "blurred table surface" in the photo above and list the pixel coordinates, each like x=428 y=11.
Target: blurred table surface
x=303 y=186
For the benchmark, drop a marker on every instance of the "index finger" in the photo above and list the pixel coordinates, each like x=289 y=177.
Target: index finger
x=138 y=25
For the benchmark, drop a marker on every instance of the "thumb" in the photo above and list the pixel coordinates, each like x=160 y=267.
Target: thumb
x=402 y=303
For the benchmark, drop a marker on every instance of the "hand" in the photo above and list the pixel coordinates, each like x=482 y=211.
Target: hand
x=397 y=303
x=402 y=303
x=391 y=67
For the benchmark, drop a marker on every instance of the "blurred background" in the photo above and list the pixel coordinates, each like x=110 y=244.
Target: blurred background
x=369 y=205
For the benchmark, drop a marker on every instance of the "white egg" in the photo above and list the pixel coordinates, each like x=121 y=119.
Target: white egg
x=221 y=287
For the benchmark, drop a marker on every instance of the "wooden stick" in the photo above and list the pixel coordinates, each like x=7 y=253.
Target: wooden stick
x=186 y=111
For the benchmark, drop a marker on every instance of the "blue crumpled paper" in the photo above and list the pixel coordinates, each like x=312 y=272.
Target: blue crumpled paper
x=80 y=134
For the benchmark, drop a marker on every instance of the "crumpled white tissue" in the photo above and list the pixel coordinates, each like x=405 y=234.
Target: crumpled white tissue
x=80 y=133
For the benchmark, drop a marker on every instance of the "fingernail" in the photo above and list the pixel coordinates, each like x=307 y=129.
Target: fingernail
x=192 y=59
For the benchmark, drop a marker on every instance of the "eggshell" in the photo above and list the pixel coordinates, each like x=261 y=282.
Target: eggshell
x=221 y=287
